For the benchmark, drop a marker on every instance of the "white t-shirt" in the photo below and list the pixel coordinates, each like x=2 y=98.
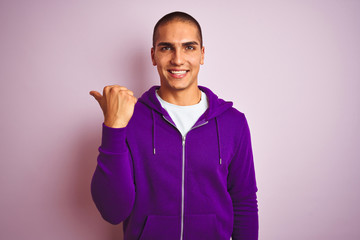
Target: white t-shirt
x=185 y=117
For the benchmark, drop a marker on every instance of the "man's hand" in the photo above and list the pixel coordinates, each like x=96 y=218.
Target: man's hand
x=117 y=104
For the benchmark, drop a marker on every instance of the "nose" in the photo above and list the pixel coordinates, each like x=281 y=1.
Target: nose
x=177 y=57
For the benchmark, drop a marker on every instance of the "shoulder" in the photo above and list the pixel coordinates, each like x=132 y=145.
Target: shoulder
x=234 y=128
x=233 y=116
x=142 y=115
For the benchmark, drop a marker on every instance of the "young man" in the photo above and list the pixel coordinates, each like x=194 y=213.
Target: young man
x=177 y=163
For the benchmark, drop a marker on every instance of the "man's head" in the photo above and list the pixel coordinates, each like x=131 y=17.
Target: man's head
x=177 y=52
x=177 y=16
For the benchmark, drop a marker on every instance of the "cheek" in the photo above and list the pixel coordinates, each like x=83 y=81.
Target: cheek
x=161 y=70
x=197 y=61
x=160 y=60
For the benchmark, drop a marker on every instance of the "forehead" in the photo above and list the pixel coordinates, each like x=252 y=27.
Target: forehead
x=177 y=31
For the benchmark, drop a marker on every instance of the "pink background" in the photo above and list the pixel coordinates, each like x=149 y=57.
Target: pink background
x=291 y=66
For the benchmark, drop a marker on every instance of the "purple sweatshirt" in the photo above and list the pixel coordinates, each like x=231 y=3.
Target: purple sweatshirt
x=164 y=186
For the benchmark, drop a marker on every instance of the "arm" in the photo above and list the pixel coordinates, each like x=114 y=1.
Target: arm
x=242 y=189
x=112 y=185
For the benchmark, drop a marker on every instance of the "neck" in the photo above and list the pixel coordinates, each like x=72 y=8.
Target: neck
x=181 y=97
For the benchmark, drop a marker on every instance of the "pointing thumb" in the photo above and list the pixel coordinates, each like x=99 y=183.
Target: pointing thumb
x=96 y=95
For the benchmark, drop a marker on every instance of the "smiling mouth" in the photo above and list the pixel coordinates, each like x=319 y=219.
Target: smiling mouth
x=178 y=73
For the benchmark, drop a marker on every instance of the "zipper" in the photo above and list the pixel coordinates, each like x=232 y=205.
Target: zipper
x=183 y=175
x=183 y=181
x=182 y=188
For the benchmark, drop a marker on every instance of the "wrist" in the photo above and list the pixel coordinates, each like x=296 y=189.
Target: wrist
x=115 y=124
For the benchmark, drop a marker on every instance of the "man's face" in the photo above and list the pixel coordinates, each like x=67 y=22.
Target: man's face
x=177 y=55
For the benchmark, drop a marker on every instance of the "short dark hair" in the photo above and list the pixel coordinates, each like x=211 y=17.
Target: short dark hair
x=177 y=16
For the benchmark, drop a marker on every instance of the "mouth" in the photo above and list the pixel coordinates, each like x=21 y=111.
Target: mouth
x=178 y=73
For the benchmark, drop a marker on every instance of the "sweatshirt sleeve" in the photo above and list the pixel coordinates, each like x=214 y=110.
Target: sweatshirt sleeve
x=242 y=188
x=112 y=186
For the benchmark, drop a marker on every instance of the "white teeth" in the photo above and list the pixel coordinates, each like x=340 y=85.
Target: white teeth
x=178 y=72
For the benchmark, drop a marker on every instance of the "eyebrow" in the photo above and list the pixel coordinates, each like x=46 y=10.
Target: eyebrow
x=190 y=43
x=167 y=44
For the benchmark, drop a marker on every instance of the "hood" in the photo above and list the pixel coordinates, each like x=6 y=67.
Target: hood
x=216 y=105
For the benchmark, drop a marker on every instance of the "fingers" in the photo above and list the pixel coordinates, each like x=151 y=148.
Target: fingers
x=115 y=89
x=109 y=90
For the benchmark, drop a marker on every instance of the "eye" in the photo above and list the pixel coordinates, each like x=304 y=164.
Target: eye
x=165 y=48
x=190 y=48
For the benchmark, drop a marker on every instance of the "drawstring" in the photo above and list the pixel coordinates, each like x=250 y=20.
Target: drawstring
x=218 y=138
x=153 y=129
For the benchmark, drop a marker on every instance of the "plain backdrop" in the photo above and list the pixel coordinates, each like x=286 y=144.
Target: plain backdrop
x=293 y=67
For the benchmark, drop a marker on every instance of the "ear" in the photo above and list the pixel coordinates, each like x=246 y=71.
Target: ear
x=153 y=56
x=202 y=55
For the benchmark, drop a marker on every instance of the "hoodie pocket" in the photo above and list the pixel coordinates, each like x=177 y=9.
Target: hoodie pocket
x=201 y=227
x=161 y=228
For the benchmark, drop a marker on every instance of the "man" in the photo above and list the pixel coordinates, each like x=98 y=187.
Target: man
x=177 y=163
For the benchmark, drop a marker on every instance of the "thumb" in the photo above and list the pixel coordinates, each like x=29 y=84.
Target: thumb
x=96 y=95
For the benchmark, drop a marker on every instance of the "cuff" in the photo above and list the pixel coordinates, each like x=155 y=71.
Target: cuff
x=113 y=139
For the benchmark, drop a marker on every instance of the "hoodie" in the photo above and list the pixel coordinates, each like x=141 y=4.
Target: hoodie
x=165 y=186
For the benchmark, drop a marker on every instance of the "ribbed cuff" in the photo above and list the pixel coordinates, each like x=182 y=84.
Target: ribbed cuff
x=113 y=139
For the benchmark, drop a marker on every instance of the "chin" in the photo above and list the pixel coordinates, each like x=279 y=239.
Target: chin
x=179 y=86
x=176 y=84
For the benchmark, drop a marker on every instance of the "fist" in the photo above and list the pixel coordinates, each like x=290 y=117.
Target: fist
x=117 y=104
